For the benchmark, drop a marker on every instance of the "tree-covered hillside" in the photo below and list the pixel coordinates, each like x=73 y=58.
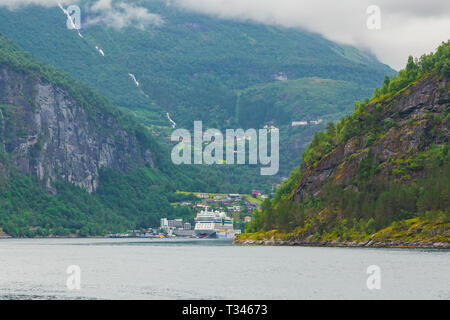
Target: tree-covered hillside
x=380 y=174
x=196 y=67
x=134 y=195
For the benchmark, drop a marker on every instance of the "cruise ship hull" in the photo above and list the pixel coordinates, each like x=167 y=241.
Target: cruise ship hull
x=214 y=234
x=205 y=233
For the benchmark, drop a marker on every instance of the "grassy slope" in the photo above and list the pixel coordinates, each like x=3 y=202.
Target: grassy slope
x=418 y=231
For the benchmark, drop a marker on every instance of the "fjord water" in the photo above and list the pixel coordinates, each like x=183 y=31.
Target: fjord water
x=215 y=269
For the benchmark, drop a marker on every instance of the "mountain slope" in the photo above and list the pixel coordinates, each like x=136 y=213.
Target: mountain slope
x=198 y=67
x=72 y=163
x=380 y=175
x=52 y=126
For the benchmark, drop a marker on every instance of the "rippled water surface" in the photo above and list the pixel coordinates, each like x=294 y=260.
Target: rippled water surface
x=215 y=269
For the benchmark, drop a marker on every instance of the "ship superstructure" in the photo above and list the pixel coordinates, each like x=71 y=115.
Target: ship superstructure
x=213 y=224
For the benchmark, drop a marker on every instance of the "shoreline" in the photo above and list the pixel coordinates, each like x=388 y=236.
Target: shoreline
x=351 y=244
x=299 y=243
x=106 y=237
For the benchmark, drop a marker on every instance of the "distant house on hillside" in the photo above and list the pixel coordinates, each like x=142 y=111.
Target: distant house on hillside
x=270 y=128
x=234 y=209
x=299 y=123
x=280 y=76
x=256 y=193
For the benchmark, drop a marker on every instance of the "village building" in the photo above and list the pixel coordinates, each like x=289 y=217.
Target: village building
x=299 y=123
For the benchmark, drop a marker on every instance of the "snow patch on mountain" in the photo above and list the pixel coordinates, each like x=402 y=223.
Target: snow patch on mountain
x=132 y=76
x=100 y=50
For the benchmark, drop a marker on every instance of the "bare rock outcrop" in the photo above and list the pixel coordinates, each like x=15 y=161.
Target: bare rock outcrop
x=49 y=134
x=414 y=131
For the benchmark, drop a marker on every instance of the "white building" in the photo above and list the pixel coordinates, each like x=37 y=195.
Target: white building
x=299 y=123
x=234 y=209
x=164 y=223
x=176 y=223
x=280 y=76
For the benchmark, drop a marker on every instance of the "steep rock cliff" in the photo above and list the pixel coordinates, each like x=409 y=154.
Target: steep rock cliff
x=49 y=134
x=411 y=116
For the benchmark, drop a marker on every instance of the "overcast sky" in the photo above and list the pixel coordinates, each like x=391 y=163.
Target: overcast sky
x=407 y=26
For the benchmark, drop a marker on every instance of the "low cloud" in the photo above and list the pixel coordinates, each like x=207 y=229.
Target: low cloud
x=122 y=14
x=15 y=4
x=115 y=14
x=407 y=26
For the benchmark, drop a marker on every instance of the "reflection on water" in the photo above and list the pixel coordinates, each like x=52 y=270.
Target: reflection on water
x=214 y=269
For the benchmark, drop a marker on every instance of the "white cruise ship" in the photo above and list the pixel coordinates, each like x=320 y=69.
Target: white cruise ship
x=213 y=224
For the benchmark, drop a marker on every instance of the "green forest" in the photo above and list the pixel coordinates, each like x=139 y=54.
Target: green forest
x=136 y=199
x=416 y=188
x=199 y=67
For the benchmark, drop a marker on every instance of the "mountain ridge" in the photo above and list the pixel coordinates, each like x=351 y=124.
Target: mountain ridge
x=195 y=66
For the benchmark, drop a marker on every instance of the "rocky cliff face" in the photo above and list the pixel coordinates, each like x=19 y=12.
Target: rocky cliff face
x=48 y=134
x=412 y=114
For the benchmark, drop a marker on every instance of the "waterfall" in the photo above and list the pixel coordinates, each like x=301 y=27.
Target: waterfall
x=134 y=79
x=171 y=121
